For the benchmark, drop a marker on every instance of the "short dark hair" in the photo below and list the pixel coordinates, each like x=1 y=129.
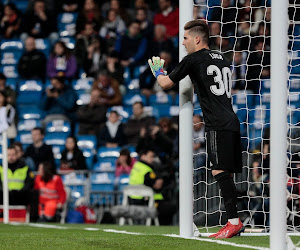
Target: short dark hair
x=2 y=76
x=198 y=27
x=42 y=131
x=138 y=102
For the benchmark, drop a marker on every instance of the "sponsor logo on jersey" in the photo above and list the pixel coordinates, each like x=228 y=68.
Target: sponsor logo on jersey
x=216 y=56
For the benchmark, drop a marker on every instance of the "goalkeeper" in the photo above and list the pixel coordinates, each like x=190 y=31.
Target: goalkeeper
x=211 y=76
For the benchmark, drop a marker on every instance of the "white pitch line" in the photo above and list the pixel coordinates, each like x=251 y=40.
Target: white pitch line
x=122 y=232
x=37 y=225
x=218 y=242
x=91 y=229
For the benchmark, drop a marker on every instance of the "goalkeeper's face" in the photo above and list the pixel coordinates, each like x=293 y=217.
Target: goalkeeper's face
x=189 y=42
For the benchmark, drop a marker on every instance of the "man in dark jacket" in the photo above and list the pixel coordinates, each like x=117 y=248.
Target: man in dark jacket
x=138 y=121
x=59 y=103
x=39 y=151
x=92 y=116
x=32 y=64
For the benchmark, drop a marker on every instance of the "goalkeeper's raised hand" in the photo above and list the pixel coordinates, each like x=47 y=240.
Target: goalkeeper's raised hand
x=156 y=66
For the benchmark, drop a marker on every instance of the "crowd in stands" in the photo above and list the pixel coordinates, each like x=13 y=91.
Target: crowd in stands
x=89 y=58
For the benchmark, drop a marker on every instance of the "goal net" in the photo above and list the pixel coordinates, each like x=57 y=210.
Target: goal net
x=241 y=30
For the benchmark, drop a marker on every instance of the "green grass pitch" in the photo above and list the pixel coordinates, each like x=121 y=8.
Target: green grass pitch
x=74 y=236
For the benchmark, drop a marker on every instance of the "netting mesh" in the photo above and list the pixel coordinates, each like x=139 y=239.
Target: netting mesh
x=241 y=30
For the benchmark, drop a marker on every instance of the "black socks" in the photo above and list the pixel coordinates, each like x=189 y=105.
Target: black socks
x=229 y=193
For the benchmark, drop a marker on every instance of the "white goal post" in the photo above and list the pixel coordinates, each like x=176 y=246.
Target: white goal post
x=278 y=126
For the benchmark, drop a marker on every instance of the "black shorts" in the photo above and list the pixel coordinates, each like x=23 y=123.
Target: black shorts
x=224 y=151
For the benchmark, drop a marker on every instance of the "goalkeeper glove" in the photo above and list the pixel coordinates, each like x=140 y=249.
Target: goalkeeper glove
x=156 y=66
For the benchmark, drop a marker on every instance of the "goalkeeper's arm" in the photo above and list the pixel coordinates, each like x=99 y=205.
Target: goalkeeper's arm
x=165 y=82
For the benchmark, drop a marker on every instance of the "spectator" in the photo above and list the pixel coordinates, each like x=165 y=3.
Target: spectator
x=52 y=195
x=20 y=154
x=92 y=116
x=10 y=113
x=109 y=87
x=10 y=22
x=258 y=63
x=61 y=63
x=226 y=15
x=51 y=5
x=120 y=9
x=239 y=72
x=153 y=137
x=87 y=49
x=137 y=121
x=39 y=23
x=59 y=102
x=140 y=4
x=7 y=90
x=69 y=5
x=72 y=157
x=169 y=17
x=124 y=163
x=132 y=46
x=146 y=24
x=96 y=58
x=90 y=13
x=113 y=27
x=114 y=68
x=32 y=64
x=112 y=134
x=20 y=183
x=39 y=151
x=143 y=173
x=199 y=144
x=160 y=42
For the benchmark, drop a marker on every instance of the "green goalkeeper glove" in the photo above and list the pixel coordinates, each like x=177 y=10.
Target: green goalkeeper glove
x=156 y=66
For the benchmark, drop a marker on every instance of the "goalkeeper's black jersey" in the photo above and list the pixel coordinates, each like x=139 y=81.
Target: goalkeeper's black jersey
x=211 y=76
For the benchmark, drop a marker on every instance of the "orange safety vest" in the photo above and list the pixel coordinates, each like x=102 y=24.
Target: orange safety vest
x=52 y=190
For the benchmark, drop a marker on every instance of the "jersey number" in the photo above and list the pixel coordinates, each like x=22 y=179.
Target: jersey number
x=223 y=80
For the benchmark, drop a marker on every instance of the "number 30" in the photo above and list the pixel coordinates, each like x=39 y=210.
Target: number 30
x=222 y=78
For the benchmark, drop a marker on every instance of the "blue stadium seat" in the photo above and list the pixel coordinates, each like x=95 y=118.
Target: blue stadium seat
x=108 y=153
x=106 y=164
x=87 y=144
x=83 y=98
x=58 y=127
x=28 y=125
x=29 y=112
x=10 y=71
x=160 y=98
x=29 y=92
x=124 y=112
x=69 y=41
x=25 y=138
x=86 y=141
x=76 y=182
x=43 y=44
x=259 y=115
x=82 y=84
x=131 y=98
x=165 y=110
x=12 y=82
x=58 y=145
x=89 y=155
x=103 y=181
x=11 y=45
x=123 y=182
x=243 y=99
x=66 y=23
x=10 y=57
x=294 y=84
